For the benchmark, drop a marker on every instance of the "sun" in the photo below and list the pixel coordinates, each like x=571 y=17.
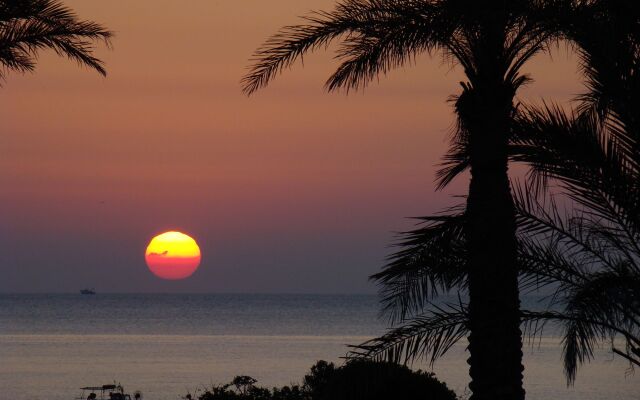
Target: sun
x=173 y=255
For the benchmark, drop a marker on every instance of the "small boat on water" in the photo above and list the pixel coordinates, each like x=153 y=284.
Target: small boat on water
x=88 y=291
x=107 y=392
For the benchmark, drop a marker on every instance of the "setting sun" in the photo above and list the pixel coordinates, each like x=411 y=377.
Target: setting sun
x=173 y=255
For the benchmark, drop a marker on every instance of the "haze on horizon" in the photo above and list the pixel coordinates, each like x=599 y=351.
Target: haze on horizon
x=291 y=190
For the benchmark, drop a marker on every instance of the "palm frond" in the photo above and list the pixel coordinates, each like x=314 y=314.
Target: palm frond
x=579 y=154
x=428 y=336
x=583 y=332
x=378 y=35
x=28 y=26
x=454 y=162
x=458 y=157
x=431 y=261
x=396 y=34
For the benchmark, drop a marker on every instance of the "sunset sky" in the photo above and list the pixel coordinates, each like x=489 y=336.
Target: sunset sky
x=290 y=190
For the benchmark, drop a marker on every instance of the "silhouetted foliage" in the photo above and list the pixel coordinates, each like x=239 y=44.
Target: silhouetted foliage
x=288 y=393
x=367 y=380
x=243 y=383
x=593 y=154
x=28 y=26
x=315 y=383
x=357 y=380
x=244 y=388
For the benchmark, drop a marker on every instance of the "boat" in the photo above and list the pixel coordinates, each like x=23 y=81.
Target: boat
x=88 y=291
x=107 y=392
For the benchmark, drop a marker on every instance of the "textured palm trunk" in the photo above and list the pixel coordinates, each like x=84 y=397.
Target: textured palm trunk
x=495 y=341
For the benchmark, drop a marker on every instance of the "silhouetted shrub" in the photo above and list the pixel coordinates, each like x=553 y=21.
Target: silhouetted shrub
x=243 y=383
x=368 y=380
x=315 y=383
x=289 y=393
x=357 y=380
x=220 y=392
x=243 y=388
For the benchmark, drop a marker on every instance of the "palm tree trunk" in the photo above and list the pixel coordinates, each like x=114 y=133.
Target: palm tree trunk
x=495 y=341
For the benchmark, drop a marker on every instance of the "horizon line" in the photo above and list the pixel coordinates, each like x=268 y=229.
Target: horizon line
x=208 y=293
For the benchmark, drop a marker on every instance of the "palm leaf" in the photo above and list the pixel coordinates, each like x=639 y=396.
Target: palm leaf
x=428 y=336
x=28 y=26
x=430 y=262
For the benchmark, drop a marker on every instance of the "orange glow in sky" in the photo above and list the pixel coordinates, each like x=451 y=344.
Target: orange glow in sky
x=173 y=255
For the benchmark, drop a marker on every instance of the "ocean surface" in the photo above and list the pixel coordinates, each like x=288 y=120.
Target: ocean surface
x=166 y=345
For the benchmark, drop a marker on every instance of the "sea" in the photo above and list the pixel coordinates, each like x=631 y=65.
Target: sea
x=168 y=345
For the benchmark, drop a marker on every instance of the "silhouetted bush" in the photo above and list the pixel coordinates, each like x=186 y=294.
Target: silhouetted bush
x=289 y=393
x=357 y=380
x=315 y=383
x=367 y=380
x=245 y=389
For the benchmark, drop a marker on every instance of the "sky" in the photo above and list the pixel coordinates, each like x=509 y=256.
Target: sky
x=291 y=190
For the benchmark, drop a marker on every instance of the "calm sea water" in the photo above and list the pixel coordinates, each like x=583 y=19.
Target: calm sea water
x=166 y=345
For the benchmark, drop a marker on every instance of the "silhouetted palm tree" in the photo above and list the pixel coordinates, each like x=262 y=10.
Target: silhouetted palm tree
x=591 y=267
x=591 y=256
x=594 y=154
x=491 y=40
x=27 y=26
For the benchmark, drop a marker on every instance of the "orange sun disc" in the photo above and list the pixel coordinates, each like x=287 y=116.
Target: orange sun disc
x=173 y=255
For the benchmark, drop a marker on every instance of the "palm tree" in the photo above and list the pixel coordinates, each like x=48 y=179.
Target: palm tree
x=591 y=256
x=591 y=268
x=491 y=40
x=28 y=26
x=594 y=155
